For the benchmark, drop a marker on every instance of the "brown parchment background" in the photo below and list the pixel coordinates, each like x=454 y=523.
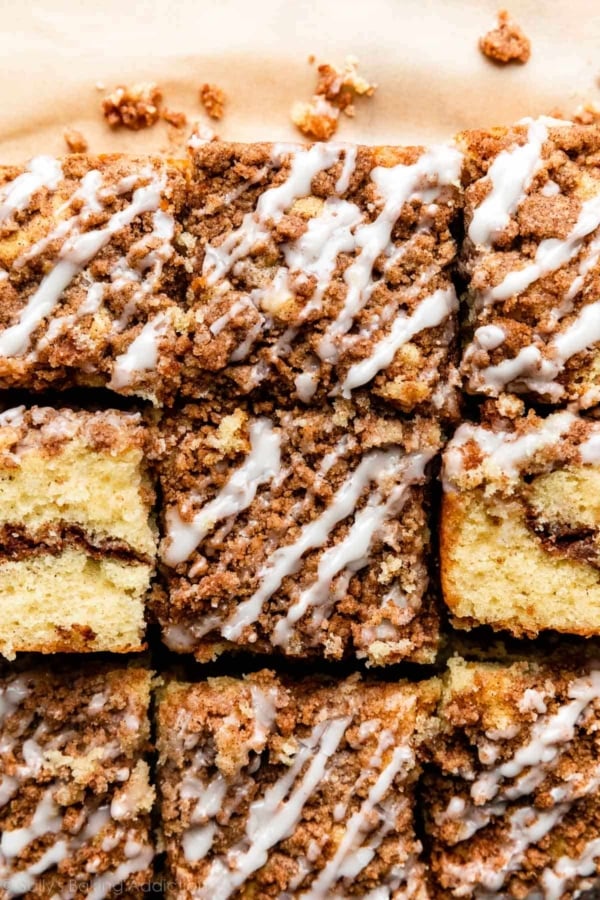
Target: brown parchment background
x=423 y=53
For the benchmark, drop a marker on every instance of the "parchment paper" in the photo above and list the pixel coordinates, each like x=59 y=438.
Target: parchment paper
x=423 y=53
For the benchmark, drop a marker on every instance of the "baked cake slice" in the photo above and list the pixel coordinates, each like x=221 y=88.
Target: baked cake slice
x=301 y=531
x=77 y=543
x=531 y=258
x=92 y=277
x=75 y=796
x=520 y=523
x=271 y=788
x=513 y=807
x=320 y=270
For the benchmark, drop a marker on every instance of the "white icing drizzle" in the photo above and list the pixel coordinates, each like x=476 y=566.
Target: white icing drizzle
x=198 y=840
x=45 y=820
x=317 y=250
x=24 y=880
x=555 y=880
x=42 y=171
x=503 y=452
x=338 y=228
x=538 y=372
x=13 y=694
x=547 y=734
x=271 y=206
x=525 y=772
x=78 y=251
x=510 y=175
x=274 y=816
x=397 y=185
x=351 y=856
x=8 y=789
x=142 y=353
x=430 y=312
x=550 y=189
x=260 y=466
x=352 y=553
x=489 y=337
x=348 y=166
x=551 y=254
x=103 y=884
x=286 y=560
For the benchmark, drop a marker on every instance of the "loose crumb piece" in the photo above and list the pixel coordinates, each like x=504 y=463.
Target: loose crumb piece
x=177 y=119
x=506 y=43
x=317 y=119
x=133 y=107
x=75 y=141
x=335 y=93
x=213 y=99
x=587 y=114
x=201 y=134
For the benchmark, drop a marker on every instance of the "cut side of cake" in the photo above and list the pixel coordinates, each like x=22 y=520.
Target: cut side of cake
x=520 y=524
x=75 y=796
x=92 y=274
x=297 y=531
x=513 y=806
x=531 y=258
x=305 y=789
x=320 y=270
x=77 y=541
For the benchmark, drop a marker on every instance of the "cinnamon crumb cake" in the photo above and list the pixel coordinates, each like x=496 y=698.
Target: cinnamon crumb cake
x=520 y=523
x=300 y=531
x=320 y=270
x=513 y=808
x=531 y=257
x=92 y=273
x=75 y=796
x=77 y=543
x=273 y=789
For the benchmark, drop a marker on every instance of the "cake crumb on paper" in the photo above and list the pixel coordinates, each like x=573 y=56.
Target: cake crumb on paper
x=587 y=114
x=201 y=134
x=507 y=42
x=133 y=107
x=213 y=99
x=335 y=92
x=75 y=141
x=317 y=119
x=176 y=119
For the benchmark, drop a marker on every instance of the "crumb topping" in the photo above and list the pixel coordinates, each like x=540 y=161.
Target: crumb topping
x=307 y=789
x=133 y=107
x=75 y=141
x=507 y=42
x=517 y=806
x=335 y=93
x=213 y=99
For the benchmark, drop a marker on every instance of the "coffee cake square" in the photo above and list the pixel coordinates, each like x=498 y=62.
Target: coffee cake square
x=278 y=788
x=321 y=270
x=300 y=531
x=75 y=794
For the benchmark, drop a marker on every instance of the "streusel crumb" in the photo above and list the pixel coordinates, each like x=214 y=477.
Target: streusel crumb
x=506 y=43
x=75 y=141
x=133 y=107
x=213 y=100
x=335 y=93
